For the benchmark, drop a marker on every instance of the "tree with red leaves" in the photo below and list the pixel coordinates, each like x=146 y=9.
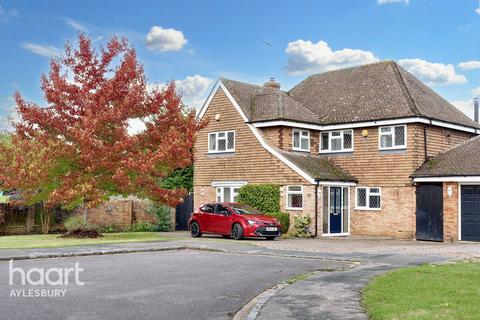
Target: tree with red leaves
x=77 y=149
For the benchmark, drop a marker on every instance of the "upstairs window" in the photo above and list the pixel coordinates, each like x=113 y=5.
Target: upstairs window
x=368 y=198
x=301 y=140
x=222 y=141
x=336 y=141
x=394 y=137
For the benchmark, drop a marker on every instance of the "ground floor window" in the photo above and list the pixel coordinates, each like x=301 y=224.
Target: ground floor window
x=227 y=194
x=368 y=198
x=294 y=197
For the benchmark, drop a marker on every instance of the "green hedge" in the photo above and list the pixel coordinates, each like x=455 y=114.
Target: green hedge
x=263 y=197
x=284 y=219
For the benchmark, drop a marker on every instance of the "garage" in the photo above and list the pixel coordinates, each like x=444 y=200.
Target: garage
x=448 y=195
x=470 y=212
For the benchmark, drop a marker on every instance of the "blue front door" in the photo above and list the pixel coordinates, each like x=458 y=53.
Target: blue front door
x=335 y=209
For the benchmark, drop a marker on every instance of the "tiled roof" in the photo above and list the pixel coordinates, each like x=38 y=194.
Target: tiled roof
x=459 y=161
x=317 y=167
x=377 y=91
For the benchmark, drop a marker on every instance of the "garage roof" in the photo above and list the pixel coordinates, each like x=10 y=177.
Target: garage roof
x=459 y=161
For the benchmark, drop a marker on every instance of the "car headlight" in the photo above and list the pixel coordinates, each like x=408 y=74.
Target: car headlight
x=251 y=222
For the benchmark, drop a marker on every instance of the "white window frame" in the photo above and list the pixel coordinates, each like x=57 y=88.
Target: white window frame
x=392 y=132
x=300 y=136
x=219 y=192
x=217 y=139
x=329 y=150
x=367 y=200
x=288 y=192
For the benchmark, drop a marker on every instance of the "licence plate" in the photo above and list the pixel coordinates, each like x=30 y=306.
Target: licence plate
x=271 y=228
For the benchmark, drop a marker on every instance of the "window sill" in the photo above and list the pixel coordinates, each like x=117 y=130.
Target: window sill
x=301 y=150
x=336 y=151
x=367 y=209
x=393 y=148
x=220 y=154
x=294 y=209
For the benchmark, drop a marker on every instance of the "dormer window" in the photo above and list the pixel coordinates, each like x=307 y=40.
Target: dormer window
x=393 y=137
x=336 y=141
x=301 y=140
x=222 y=141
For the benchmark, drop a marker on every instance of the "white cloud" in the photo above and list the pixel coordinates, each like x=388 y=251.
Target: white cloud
x=6 y=14
x=7 y=115
x=45 y=51
x=307 y=57
x=469 y=65
x=165 y=39
x=393 y=1
x=476 y=92
x=75 y=25
x=135 y=126
x=432 y=73
x=477 y=10
x=193 y=89
x=466 y=106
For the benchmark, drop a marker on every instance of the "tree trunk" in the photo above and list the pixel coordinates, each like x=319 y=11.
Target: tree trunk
x=85 y=213
x=45 y=218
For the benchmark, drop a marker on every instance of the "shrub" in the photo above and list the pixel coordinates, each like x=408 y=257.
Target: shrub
x=163 y=216
x=143 y=227
x=263 y=197
x=301 y=225
x=284 y=219
x=78 y=227
x=111 y=228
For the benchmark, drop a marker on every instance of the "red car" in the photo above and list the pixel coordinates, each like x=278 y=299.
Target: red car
x=233 y=219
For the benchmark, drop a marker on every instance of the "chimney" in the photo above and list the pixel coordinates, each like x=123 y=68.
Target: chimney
x=272 y=84
x=475 y=110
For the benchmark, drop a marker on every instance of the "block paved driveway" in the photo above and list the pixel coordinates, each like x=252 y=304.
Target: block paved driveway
x=357 y=246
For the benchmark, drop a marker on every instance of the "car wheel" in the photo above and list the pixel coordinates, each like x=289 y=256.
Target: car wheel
x=270 y=238
x=195 y=230
x=237 y=232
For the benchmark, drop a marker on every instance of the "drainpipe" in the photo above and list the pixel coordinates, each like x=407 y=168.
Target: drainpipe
x=317 y=181
x=425 y=140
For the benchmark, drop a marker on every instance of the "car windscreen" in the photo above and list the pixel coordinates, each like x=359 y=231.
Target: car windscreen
x=243 y=209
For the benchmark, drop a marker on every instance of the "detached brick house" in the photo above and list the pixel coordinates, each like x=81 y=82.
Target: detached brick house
x=344 y=146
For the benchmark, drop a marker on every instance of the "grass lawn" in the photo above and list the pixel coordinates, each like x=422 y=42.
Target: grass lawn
x=450 y=291
x=53 y=240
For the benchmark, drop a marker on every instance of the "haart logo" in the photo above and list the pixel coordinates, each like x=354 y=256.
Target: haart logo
x=58 y=277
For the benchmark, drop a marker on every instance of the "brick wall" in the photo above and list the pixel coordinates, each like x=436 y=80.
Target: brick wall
x=121 y=213
x=396 y=219
x=450 y=212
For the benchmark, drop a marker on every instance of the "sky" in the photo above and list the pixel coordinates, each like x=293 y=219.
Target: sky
x=195 y=42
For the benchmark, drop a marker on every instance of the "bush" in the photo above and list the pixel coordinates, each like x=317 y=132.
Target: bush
x=143 y=227
x=77 y=227
x=301 y=224
x=111 y=228
x=163 y=216
x=284 y=219
x=263 y=197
